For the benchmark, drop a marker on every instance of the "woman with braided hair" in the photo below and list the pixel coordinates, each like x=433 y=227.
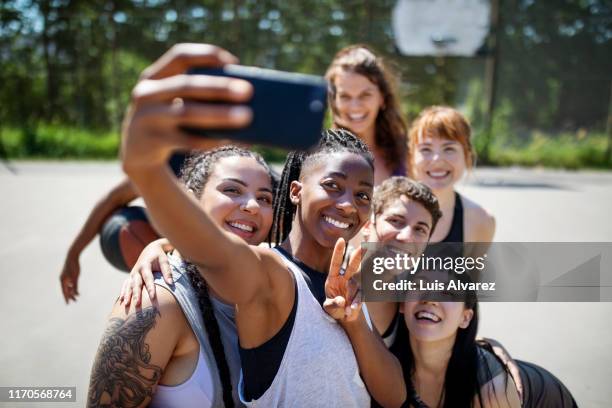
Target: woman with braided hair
x=191 y=341
x=292 y=353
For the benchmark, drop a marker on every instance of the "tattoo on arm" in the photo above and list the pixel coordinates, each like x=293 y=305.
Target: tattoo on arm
x=121 y=375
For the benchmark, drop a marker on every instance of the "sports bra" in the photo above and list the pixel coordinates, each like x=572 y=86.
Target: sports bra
x=196 y=392
x=455 y=234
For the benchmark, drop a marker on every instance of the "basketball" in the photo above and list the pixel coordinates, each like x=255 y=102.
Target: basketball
x=124 y=236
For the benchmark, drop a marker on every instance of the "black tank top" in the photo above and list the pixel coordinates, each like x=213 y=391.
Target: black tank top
x=455 y=234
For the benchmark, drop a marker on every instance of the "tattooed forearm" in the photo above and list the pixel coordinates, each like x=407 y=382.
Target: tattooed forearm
x=121 y=375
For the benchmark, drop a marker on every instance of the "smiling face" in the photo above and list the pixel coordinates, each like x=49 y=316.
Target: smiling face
x=238 y=196
x=438 y=162
x=401 y=224
x=333 y=197
x=435 y=321
x=357 y=102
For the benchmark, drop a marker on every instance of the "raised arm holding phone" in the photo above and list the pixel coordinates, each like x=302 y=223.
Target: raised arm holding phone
x=279 y=314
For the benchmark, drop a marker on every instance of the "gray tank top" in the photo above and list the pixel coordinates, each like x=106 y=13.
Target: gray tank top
x=187 y=298
x=319 y=368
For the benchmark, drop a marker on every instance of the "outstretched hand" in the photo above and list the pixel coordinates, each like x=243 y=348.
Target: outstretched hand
x=69 y=278
x=342 y=290
x=166 y=99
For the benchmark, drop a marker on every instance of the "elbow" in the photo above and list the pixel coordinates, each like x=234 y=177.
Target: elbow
x=390 y=401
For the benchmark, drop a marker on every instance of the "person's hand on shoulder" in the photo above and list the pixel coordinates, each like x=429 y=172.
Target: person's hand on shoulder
x=152 y=259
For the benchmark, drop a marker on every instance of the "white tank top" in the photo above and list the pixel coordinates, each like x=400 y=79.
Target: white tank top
x=319 y=368
x=196 y=392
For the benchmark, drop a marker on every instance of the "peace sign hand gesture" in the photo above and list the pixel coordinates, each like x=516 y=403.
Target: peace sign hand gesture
x=342 y=290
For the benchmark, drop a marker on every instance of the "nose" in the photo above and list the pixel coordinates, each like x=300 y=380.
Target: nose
x=436 y=155
x=346 y=203
x=406 y=235
x=250 y=205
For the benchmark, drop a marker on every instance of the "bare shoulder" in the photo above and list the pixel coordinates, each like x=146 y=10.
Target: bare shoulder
x=165 y=303
x=134 y=350
x=479 y=222
x=278 y=272
x=500 y=392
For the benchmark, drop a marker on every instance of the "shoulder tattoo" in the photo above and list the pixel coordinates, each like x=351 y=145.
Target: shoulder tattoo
x=121 y=375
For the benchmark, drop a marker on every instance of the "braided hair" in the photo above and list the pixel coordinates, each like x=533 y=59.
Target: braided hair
x=332 y=141
x=194 y=174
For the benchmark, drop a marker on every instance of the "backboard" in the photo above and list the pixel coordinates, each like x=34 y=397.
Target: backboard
x=441 y=27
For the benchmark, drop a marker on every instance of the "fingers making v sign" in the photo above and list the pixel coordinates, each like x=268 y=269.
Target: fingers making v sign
x=342 y=290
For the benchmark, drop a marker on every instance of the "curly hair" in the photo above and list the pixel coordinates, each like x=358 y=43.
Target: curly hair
x=391 y=130
x=199 y=166
x=195 y=174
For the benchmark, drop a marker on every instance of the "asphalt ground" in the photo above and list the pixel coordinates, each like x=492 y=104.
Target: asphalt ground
x=46 y=343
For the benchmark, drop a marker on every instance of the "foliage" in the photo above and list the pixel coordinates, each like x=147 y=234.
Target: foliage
x=54 y=141
x=568 y=150
x=72 y=63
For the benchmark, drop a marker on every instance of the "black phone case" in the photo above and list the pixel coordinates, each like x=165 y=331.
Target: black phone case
x=288 y=108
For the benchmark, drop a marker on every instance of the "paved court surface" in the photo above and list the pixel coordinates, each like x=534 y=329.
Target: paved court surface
x=46 y=343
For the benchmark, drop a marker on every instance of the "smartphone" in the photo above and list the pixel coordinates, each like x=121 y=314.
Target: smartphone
x=288 y=108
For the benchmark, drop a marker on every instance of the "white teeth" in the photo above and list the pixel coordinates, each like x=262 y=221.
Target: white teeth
x=243 y=227
x=357 y=117
x=438 y=173
x=335 y=223
x=428 y=316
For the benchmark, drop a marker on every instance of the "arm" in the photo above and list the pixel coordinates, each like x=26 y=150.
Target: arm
x=479 y=223
x=151 y=132
x=479 y=228
x=499 y=392
x=381 y=371
x=134 y=350
x=502 y=354
x=118 y=196
x=382 y=315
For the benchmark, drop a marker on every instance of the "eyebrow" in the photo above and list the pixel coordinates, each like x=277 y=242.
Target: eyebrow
x=242 y=183
x=370 y=88
x=449 y=142
x=424 y=224
x=343 y=176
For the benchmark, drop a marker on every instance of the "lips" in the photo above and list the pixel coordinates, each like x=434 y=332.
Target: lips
x=357 y=116
x=427 y=316
x=242 y=228
x=340 y=224
x=438 y=174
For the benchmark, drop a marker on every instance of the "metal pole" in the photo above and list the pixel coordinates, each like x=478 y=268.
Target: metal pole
x=609 y=128
x=491 y=79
